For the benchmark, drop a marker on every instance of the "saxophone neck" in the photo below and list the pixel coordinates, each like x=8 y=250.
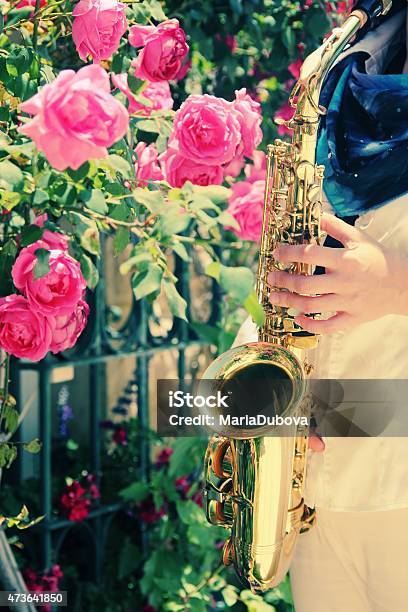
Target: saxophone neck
x=306 y=92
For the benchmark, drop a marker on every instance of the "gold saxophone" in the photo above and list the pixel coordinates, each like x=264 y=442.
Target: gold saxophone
x=255 y=482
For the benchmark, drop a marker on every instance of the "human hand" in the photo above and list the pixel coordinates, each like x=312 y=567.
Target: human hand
x=363 y=281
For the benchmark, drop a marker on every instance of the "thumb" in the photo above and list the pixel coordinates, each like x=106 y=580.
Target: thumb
x=340 y=230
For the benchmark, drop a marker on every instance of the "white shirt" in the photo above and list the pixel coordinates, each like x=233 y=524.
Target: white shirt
x=361 y=474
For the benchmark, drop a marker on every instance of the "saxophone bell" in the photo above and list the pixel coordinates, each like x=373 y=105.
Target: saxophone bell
x=262 y=379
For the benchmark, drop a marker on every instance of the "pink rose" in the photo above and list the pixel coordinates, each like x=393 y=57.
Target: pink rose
x=76 y=118
x=178 y=169
x=164 y=51
x=98 y=27
x=285 y=112
x=69 y=327
x=294 y=68
x=246 y=206
x=250 y=118
x=235 y=166
x=207 y=130
x=31 y=4
x=257 y=170
x=54 y=240
x=147 y=165
x=158 y=94
x=57 y=292
x=24 y=332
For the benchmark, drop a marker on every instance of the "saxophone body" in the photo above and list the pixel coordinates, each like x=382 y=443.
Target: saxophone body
x=254 y=480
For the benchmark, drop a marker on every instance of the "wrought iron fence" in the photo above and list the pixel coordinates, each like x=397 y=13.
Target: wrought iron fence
x=100 y=347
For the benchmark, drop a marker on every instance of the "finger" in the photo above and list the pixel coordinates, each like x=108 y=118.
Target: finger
x=336 y=323
x=316 y=444
x=306 y=304
x=299 y=283
x=309 y=254
x=340 y=230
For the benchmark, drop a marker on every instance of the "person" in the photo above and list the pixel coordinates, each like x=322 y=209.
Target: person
x=354 y=559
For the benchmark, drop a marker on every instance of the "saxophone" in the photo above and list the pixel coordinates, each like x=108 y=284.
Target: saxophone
x=254 y=483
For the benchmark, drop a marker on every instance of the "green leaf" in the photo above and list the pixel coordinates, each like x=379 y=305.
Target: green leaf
x=209 y=333
x=153 y=200
x=281 y=593
x=230 y=595
x=90 y=240
x=181 y=251
x=33 y=447
x=173 y=221
x=72 y=445
x=201 y=202
x=255 y=603
x=187 y=455
x=9 y=199
x=149 y=125
x=80 y=173
x=7 y=454
x=115 y=163
x=97 y=202
x=254 y=308
x=189 y=513
x=135 y=84
x=7 y=257
x=121 y=239
x=227 y=220
x=176 y=302
x=30 y=234
x=225 y=340
x=47 y=73
x=40 y=197
x=42 y=266
x=147 y=282
x=11 y=419
x=89 y=271
x=237 y=282
x=129 y=559
x=214 y=270
x=11 y=177
x=289 y=40
x=11 y=455
x=137 y=262
x=156 y=10
x=317 y=21
x=217 y=193
x=120 y=212
x=136 y=492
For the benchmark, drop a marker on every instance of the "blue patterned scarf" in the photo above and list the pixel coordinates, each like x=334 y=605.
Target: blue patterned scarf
x=363 y=139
